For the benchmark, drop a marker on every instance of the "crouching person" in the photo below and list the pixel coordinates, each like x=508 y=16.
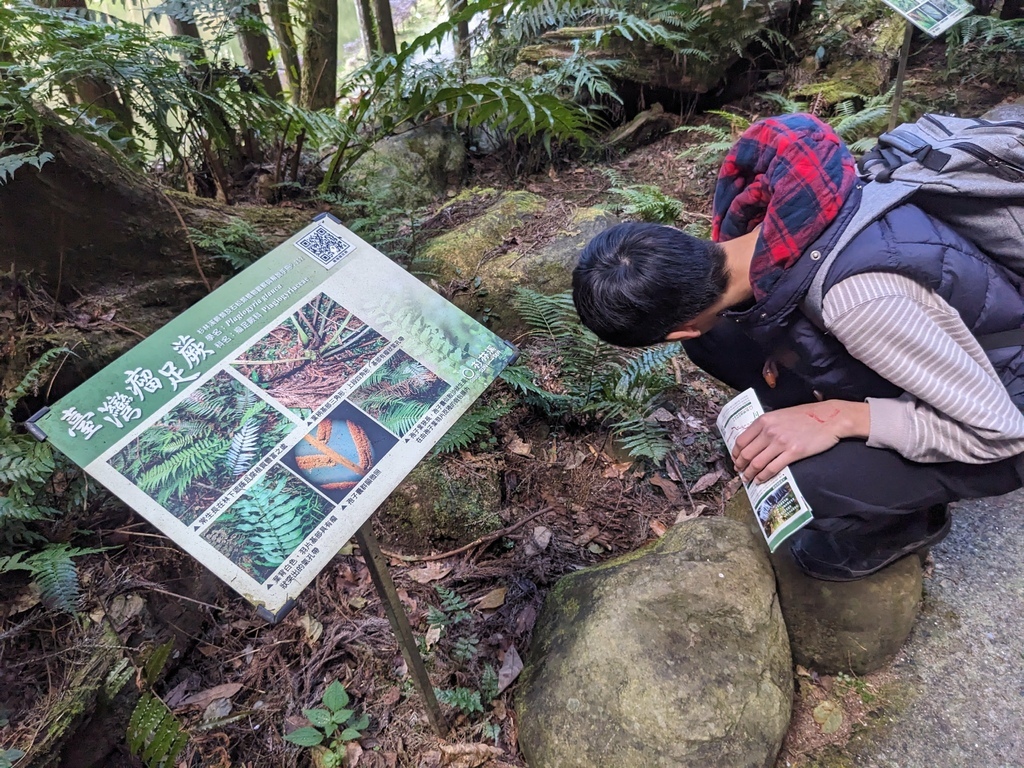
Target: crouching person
x=883 y=403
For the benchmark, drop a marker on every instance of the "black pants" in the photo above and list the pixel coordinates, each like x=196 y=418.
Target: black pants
x=850 y=487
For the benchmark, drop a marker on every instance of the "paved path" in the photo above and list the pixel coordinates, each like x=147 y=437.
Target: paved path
x=964 y=661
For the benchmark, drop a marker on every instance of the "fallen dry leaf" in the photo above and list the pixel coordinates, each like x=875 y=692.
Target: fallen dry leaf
x=526 y=619
x=430 y=572
x=391 y=696
x=510 y=668
x=688 y=514
x=519 y=447
x=706 y=481
x=670 y=489
x=493 y=599
x=658 y=528
x=203 y=699
x=432 y=635
x=468 y=755
x=575 y=461
x=616 y=471
x=541 y=536
x=662 y=415
x=217 y=709
x=587 y=536
x=352 y=754
x=312 y=629
x=731 y=487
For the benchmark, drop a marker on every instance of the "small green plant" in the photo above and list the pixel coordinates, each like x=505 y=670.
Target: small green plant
x=465 y=700
x=858 y=685
x=9 y=756
x=334 y=724
x=472 y=427
x=237 y=242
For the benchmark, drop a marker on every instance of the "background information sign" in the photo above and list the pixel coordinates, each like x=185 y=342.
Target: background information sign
x=263 y=426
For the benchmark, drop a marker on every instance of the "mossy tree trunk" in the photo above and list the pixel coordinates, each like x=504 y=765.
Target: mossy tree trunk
x=320 y=55
x=281 y=20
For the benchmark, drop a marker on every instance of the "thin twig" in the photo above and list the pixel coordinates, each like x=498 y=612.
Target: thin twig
x=153 y=588
x=482 y=540
x=124 y=328
x=184 y=227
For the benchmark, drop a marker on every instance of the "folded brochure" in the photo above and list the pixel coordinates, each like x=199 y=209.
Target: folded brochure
x=779 y=507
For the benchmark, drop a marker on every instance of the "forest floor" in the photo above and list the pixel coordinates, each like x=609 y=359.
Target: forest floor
x=569 y=500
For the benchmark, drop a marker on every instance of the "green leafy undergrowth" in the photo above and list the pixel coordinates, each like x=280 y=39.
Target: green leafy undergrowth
x=36 y=487
x=590 y=381
x=333 y=724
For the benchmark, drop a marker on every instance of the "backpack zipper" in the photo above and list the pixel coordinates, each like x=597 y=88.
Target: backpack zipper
x=1004 y=170
x=1000 y=124
x=935 y=121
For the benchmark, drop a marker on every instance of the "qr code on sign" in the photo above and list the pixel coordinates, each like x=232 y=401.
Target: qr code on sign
x=325 y=246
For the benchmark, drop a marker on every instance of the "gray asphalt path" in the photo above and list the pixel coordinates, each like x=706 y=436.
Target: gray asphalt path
x=963 y=666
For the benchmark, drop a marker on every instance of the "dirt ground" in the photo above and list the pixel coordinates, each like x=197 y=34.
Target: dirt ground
x=568 y=500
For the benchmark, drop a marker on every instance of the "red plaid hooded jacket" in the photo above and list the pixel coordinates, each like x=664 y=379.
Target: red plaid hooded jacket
x=791 y=174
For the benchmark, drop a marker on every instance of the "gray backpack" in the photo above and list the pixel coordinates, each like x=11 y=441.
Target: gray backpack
x=967 y=172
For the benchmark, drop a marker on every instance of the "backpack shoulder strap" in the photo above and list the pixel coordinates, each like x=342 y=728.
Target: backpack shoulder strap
x=877 y=199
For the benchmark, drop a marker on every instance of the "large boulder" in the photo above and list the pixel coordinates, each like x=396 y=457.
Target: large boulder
x=675 y=656
x=482 y=257
x=853 y=626
x=415 y=167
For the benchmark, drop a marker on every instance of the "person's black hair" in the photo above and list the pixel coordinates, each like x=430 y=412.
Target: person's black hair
x=635 y=283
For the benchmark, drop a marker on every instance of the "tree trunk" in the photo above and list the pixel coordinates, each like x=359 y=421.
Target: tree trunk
x=96 y=92
x=252 y=38
x=281 y=19
x=84 y=218
x=320 y=55
x=367 y=28
x=386 y=26
x=460 y=39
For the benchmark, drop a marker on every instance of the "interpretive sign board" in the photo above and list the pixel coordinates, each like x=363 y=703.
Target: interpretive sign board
x=931 y=16
x=262 y=427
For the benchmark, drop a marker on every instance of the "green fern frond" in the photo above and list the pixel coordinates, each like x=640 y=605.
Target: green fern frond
x=470 y=427
x=644 y=439
x=155 y=735
x=29 y=381
x=53 y=569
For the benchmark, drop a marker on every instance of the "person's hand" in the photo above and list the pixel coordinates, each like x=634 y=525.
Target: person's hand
x=778 y=438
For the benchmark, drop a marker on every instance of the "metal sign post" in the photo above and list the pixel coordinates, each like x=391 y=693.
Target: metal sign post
x=382 y=580
x=901 y=74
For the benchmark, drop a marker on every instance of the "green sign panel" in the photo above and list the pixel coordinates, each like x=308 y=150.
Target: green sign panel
x=263 y=426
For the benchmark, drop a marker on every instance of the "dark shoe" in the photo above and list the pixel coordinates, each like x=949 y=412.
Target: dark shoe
x=852 y=556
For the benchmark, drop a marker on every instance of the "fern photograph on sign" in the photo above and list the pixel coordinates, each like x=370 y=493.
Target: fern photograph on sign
x=931 y=16
x=262 y=427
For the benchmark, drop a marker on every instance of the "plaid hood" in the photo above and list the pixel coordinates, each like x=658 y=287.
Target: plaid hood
x=791 y=174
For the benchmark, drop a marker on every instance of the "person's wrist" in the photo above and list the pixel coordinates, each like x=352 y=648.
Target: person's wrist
x=855 y=419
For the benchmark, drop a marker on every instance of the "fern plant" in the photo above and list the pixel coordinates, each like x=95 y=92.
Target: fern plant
x=986 y=49
x=30 y=501
x=616 y=387
x=646 y=202
x=155 y=735
x=238 y=243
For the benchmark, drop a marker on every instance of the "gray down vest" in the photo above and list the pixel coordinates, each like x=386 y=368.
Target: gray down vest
x=988 y=297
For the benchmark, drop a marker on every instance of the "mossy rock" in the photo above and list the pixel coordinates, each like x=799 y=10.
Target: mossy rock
x=673 y=656
x=433 y=508
x=415 y=167
x=491 y=282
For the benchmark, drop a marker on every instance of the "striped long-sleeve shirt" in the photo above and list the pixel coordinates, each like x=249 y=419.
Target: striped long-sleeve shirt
x=954 y=407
